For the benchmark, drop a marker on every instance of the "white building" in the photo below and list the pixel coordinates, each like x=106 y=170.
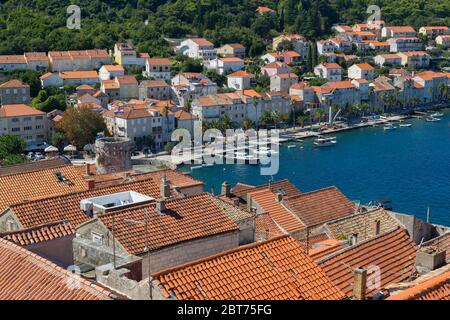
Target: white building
x=282 y=82
x=225 y=65
x=443 y=40
x=398 y=32
x=361 y=71
x=325 y=46
x=329 y=70
x=109 y=71
x=241 y=80
x=434 y=31
x=78 y=60
x=24 y=121
x=158 y=68
x=391 y=59
x=198 y=48
x=405 y=44
x=415 y=59
x=127 y=56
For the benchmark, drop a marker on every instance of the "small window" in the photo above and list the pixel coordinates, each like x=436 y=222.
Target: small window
x=97 y=238
x=377 y=227
x=354 y=239
x=11 y=225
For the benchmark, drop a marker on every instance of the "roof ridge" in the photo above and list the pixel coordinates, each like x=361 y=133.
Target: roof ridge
x=218 y=255
x=33 y=170
x=50 y=224
x=312 y=192
x=329 y=257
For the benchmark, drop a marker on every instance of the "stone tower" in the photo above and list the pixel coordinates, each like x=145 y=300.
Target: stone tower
x=113 y=155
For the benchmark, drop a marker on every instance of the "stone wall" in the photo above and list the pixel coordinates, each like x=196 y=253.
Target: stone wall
x=113 y=155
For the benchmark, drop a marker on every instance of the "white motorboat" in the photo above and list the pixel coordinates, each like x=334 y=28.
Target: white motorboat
x=325 y=142
x=405 y=125
x=390 y=126
x=437 y=115
x=292 y=146
x=433 y=119
x=243 y=157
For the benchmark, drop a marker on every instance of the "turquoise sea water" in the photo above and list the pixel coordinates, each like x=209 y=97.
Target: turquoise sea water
x=410 y=166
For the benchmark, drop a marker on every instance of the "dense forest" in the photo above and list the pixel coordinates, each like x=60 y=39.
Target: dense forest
x=40 y=25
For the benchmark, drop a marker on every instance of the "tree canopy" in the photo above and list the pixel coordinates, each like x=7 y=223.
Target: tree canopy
x=40 y=25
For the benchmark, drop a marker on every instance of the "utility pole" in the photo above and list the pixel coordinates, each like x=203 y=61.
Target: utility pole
x=147 y=246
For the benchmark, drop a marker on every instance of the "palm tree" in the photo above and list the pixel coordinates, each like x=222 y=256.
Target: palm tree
x=165 y=112
x=247 y=123
x=266 y=117
x=226 y=122
x=301 y=119
x=255 y=105
x=320 y=114
x=443 y=91
x=275 y=118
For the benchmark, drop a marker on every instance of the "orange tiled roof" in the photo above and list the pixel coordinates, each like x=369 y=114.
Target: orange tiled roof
x=14 y=84
x=27 y=276
x=92 y=74
x=281 y=216
x=111 y=67
x=241 y=73
x=16 y=188
x=19 y=110
x=320 y=206
x=393 y=252
x=331 y=65
x=127 y=79
x=202 y=42
x=277 y=269
x=430 y=75
x=364 y=66
x=435 y=28
x=285 y=186
x=401 y=29
x=264 y=10
x=184 y=219
x=324 y=248
x=39 y=234
x=67 y=207
x=266 y=228
x=31 y=166
x=436 y=288
x=159 y=61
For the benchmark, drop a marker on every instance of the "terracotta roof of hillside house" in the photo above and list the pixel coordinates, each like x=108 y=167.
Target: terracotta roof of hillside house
x=286 y=76
x=390 y=56
x=265 y=10
x=363 y=224
x=377 y=43
x=46 y=75
x=184 y=219
x=291 y=54
x=183 y=115
x=241 y=73
x=275 y=65
x=429 y=287
x=364 y=66
x=320 y=206
x=31 y=166
x=27 y=276
x=414 y=54
x=436 y=28
x=393 y=252
x=283 y=186
x=159 y=61
x=14 y=84
x=112 y=68
x=400 y=29
x=431 y=75
x=67 y=207
x=19 y=110
x=128 y=79
x=331 y=65
x=26 y=186
x=202 y=42
x=78 y=74
x=36 y=56
x=79 y=54
x=47 y=232
x=85 y=87
x=266 y=228
x=330 y=86
x=12 y=59
x=277 y=269
x=322 y=249
x=236 y=45
x=266 y=200
x=154 y=83
x=110 y=84
x=440 y=243
x=231 y=59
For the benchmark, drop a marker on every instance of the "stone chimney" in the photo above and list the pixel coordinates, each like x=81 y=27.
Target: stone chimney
x=226 y=189
x=88 y=169
x=165 y=188
x=429 y=259
x=359 y=284
x=91 y=184
x=279 y=197
x=161 y=206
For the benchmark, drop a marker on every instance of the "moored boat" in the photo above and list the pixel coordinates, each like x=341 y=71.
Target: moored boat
x=325 y=142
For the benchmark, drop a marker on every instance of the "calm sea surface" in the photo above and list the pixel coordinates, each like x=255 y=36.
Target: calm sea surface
x=410 y=166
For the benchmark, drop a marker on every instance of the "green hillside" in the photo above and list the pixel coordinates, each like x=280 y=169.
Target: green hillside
x=40 y=25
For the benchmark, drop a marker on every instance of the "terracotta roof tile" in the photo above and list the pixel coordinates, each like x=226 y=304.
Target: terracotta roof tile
x=265 y=200
x=277 y=269
x=67 y=207
x=14 y=84
x=39 y=234
x=393 y=252
x=30 y=185
x=31 y=166
x=202 y=42
x=435 y=288
x=26 y=276
x=184 y=219
x=320 y=206
x=19 y=110
x=91 y=74
x=284 y=186
x=266 y=228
